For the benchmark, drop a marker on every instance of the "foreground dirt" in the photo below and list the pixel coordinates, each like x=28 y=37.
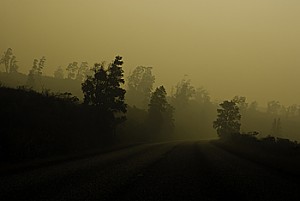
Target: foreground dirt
x=193 y=170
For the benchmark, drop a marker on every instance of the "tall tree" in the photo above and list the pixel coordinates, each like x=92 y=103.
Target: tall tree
x=103 y=90
x=115 y=80
x=140 y=85
x=228 y=119
x=95 y=87
x=160 y=112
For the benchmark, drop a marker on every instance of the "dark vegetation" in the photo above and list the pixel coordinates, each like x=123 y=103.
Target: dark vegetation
x=89 y=108
x=277 y=153
x=43 y=124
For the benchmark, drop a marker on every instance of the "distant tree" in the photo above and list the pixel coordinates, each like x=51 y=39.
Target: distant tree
x=9 y=61
x=5 y=59
x=184 y=92
x=35 y=73
x=34 y=68
x=103 y=90
x=41 y=66
x=253 y=106
x=72 y=70
x=160 y=112
x=32 y=73
x=291 y=110
x=13 y=66
x=59 y=73
x=202 y=95
x=76 y=72
x=228 y=119
x=241 y=103
x=273 y=107
x=82 y=71
x=283 y=110
x=140 y=85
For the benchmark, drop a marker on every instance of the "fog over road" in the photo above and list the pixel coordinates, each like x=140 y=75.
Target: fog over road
x=179 y=170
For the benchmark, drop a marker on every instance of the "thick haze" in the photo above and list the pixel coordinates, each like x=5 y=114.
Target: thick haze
x=232 y=47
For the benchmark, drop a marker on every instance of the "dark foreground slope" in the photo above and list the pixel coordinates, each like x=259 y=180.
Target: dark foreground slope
x=165 y=171
x=41 y=125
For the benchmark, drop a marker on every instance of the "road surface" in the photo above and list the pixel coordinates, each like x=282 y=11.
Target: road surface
x=179 y=170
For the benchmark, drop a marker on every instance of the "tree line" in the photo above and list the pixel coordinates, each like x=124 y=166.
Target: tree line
x=151 y=113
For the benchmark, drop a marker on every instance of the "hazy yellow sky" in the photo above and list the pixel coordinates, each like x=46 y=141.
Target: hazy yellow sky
x=231 y=47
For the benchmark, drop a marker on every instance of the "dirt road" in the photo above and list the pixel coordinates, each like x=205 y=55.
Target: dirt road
x=180 y=170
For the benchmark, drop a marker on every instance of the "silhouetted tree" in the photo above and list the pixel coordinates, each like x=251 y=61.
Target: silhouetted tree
x=160 y=112
x=103 y=90
x=115 y=78
x=228 y=120
x=94 y=88
x=140 y=85
x=59 y=73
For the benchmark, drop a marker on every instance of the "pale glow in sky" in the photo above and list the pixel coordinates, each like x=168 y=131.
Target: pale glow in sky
x=232 y=47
